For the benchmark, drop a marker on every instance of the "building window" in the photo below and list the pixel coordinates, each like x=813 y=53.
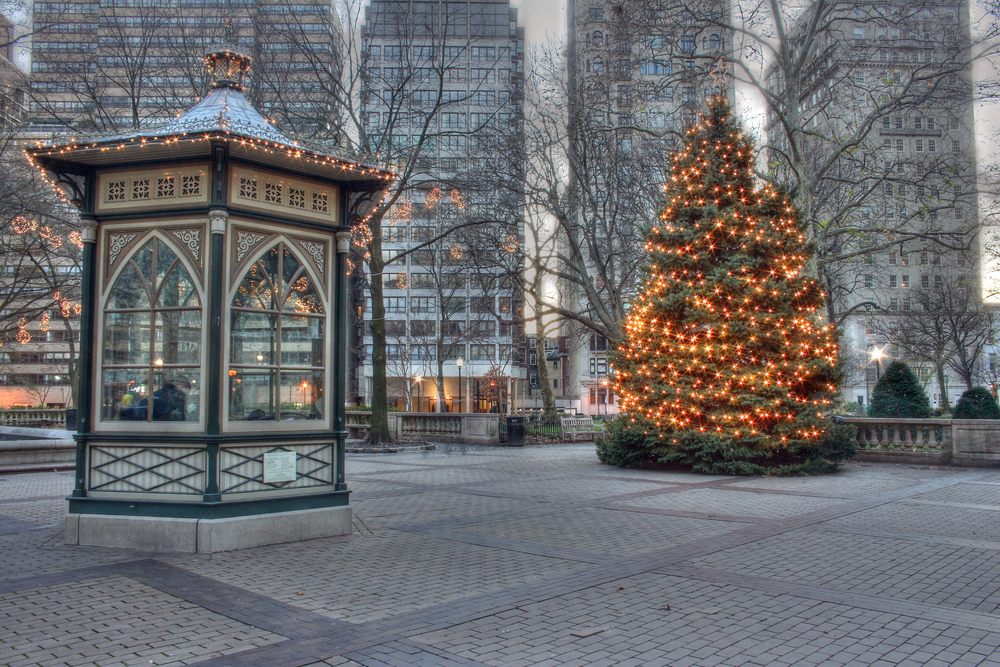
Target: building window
x=596 y=13
x=152 y=340
x=906 y=281
x=869 y=281
x=598 y=39
x=277 y=339
x=925 y=282
x=893 y=282
x=893 y=305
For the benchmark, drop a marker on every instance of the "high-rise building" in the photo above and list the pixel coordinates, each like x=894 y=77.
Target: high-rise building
x=900 y=209
x=102 y=66
x=639 y=73
x=105 y=65
x=441 y=83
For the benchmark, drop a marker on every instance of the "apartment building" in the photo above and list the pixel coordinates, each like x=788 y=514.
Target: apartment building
x=903 y=205
x=103 y=66
x=442 y=88
x=106 y=65
x=639 y=72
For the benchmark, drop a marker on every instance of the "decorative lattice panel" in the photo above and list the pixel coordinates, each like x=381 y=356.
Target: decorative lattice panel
x=157 y=469
x=241 y=469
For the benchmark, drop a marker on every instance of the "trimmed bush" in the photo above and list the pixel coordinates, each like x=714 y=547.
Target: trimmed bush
x=977 y=403
x=899 y=394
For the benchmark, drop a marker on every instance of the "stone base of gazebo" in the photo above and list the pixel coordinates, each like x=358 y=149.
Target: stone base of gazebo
x=206 y=536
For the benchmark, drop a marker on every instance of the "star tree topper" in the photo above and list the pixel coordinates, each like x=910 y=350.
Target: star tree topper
x=720 y=73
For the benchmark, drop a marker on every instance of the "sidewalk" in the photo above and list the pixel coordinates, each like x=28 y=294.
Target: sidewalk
x=467 y=556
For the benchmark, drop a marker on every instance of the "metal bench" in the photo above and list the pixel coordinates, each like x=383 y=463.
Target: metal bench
x=577 y=426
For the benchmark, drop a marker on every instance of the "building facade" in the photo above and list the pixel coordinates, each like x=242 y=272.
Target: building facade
x=903 y=203
x=441 y=91
x=105 y=66
x=638 y=72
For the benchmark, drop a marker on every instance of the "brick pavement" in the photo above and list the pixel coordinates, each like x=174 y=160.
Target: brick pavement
x=465 y=557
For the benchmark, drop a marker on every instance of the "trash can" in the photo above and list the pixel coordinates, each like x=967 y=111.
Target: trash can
x=515 y=431
x=71 y=419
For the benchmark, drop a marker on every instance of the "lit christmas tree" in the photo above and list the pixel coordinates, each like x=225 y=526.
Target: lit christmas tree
x=726 y=364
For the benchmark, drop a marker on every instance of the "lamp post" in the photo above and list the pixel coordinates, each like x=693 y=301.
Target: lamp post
x=459 y=362
x=419 y=379
x=877 y=356
x=604 y=384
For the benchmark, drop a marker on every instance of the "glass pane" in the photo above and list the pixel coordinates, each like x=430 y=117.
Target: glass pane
x=251 y=395
x=302 y=298
x=144 y=261
x=164 y=261
x=257 y=289
x=129 y=291
x=178 y=337
x=252 y=339
x=301 y=341
x=178 y=290
x=123 y=395
x=126 y=338
x=177 y=396
x=290 y=268
x=301 y=395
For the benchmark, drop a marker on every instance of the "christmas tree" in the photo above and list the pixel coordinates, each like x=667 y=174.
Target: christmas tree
x=726 y=364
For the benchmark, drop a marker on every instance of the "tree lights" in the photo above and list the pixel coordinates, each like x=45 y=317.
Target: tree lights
x=726 y=364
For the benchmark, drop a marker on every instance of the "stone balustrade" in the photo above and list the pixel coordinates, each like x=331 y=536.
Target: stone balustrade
x=471 y=428
x=33 y=417
x=962 y=442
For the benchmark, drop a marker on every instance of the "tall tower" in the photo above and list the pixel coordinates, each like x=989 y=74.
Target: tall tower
x=639 y=73
x=100 y=65
x=900 y=211
x=441 y=89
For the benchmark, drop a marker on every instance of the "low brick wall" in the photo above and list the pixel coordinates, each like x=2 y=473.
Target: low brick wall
x=958 y=442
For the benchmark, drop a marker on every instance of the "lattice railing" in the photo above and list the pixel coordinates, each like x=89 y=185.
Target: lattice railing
x=241 y=469
x=157 y=469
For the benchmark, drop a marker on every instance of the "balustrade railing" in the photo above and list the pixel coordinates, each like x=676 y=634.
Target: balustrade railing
x=903 y=434
x=37 y=417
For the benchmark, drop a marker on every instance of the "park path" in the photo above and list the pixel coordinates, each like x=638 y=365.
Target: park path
x=467 y=556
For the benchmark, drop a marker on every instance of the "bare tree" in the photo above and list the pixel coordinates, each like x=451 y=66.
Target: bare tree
x=946 y=326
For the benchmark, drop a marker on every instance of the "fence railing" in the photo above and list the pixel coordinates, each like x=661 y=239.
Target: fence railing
x=966 y=442
x=913 y=435
x=37 y=417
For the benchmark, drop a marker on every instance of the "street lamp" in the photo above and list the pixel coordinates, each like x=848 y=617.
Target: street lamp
x=604 y=384
x=459 y=362
x=877 y=356
x=419 y=379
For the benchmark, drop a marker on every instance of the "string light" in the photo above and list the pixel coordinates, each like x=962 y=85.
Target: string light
x=726 y=346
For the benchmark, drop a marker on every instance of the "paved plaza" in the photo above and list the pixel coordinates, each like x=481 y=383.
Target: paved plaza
x=540 y=556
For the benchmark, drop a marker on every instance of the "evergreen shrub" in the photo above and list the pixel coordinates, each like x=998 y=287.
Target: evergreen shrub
x=899 y=394
x=977 y=403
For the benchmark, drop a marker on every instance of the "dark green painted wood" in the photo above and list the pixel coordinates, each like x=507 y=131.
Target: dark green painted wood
x=207 y=510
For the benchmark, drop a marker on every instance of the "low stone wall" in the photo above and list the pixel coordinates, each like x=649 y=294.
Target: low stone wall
x=34 y=449
x=958 y=442
x=469 y=428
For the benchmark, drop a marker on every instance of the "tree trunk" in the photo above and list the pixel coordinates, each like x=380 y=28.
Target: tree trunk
x=439 y=382
x=379 y=432
x=945 y=406
x=548 y=401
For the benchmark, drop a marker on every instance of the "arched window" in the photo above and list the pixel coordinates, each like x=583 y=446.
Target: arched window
x=277 y=342
x=598 y=65
x=714 y=43
x=152 y=350
x=598 y=39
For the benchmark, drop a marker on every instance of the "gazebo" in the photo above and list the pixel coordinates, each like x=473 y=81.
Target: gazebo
x=213 y=333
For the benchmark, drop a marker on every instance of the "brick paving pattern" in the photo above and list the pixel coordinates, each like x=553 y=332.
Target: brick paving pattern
x=472 y=557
